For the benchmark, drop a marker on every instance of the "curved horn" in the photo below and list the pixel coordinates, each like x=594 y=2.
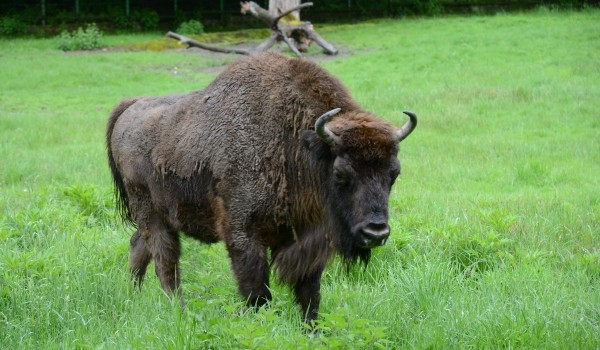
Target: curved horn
x=407 y=128
x=325 y=134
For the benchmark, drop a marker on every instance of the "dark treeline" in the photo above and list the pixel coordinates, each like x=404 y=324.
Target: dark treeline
x=219 y=14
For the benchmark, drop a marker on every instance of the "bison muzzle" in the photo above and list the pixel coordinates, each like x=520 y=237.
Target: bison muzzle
x=274 y=158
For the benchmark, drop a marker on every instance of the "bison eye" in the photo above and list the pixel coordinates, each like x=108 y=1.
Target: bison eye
x=341 y=177
x=343 y=172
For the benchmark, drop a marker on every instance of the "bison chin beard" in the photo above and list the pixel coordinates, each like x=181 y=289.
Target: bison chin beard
x=359 y=254
x=353 y=254
x=350 y=251
x=347 y=245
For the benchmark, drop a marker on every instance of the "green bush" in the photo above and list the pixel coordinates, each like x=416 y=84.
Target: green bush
x=191 y=27
x=118 y=18
x=12 y=26
x=416 y=7
x=140 y=20
x=81 y=39
x=145 y=19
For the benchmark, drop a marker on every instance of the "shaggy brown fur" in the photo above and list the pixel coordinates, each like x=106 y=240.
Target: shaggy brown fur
x=240 y=162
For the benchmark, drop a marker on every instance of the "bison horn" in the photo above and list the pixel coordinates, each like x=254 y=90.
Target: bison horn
x=407 y=128
x=324 y=133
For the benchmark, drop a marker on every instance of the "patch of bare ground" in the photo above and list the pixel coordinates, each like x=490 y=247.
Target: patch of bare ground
x=92 y=52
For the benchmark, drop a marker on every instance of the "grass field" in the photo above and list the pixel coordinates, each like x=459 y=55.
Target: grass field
x=495 y=220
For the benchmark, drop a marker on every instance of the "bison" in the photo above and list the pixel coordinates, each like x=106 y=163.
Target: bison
x=274 y=158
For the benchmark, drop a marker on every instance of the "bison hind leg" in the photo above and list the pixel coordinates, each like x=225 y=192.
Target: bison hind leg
x=155 y=240
x=165 y=247
x=139 y=258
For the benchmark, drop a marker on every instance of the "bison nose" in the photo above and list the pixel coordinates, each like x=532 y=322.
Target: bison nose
x=375 y=234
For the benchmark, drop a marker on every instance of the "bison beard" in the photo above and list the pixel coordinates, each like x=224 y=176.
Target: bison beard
x=274 y=155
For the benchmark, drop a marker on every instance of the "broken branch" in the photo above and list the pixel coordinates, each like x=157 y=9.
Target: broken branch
x=191 y=42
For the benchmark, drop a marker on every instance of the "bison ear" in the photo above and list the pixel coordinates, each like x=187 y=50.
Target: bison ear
x=312 y=142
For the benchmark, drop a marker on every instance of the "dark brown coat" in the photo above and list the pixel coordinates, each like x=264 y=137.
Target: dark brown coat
x=243 y=162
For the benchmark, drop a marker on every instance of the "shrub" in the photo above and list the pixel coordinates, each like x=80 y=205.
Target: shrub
x=81 y=39
x=191 y=27
x=416 y=7
x=118 y=18
x=139 y=20
x=12 y=26
x=145 y=19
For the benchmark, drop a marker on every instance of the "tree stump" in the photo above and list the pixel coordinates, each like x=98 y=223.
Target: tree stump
x=298 y=35
x=302 y=33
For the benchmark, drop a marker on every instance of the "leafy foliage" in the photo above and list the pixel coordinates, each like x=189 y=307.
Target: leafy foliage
x=435 y=7
x=416 y=7
x=191 y=27
x=11 y=26
x=142 y=19
x=89 y=38
x=145 y=19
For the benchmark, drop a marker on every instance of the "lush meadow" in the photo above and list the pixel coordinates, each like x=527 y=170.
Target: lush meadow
x=495 y=219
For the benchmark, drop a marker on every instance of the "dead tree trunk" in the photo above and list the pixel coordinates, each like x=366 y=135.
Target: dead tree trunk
x=287 y=27
x=296 y=34
x=278 y=6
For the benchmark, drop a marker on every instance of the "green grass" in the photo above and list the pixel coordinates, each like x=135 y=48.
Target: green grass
x=496 y=218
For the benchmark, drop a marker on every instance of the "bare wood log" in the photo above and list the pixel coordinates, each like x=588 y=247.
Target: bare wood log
x=314 y=36
x=278 y=6
x=191 y=42
x=297 y=35
x=267 y=44
x=302 y=33
x=290 y=44
x=257 y=11
x=264 y=15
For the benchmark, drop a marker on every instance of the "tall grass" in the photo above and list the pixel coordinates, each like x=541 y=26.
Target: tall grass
x=495 y=219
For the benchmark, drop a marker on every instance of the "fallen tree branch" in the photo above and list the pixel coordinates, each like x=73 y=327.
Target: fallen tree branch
x=314 y=36
x=290 y=44
x=191 y=42
x=267 y=44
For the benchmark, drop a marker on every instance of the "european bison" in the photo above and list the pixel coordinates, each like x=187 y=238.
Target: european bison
x=273 y=155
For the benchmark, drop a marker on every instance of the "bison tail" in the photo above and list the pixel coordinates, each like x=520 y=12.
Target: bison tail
x=122 y=201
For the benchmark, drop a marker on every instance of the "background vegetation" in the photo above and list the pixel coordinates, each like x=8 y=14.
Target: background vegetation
x=495 y=218
x=43 y=17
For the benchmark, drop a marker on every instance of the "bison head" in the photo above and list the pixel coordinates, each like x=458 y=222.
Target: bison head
x=361 y=167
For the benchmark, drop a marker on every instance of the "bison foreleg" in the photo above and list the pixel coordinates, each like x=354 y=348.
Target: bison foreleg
x=308 y=295
x=251 y=268
x=139 y=258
